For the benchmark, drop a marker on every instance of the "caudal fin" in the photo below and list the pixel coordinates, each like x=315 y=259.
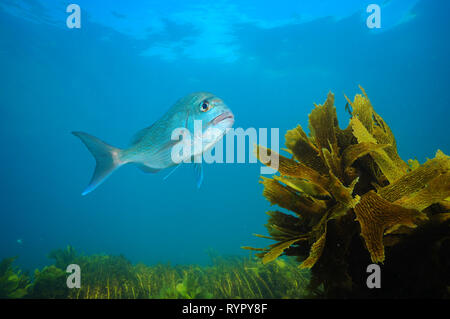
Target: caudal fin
x=106 y=156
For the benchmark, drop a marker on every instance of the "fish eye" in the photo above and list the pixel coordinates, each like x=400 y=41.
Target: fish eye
x=205 y=106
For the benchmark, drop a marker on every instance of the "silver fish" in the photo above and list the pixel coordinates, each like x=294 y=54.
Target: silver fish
x=151 y=148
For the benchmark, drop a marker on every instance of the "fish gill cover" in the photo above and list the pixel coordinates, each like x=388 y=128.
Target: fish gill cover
x=343 y=184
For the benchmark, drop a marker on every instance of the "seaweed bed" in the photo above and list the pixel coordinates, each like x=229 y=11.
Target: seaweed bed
x=114 y=277
x=352 y=201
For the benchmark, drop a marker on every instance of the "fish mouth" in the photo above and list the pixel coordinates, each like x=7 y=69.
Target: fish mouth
x=222 y=117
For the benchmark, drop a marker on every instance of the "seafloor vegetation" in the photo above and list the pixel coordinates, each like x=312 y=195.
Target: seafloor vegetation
x=114 y=277
x=353 y=201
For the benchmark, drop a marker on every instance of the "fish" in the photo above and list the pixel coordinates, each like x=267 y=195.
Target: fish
x=152 y=148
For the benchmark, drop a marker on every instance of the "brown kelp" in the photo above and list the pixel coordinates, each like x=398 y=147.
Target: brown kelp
x=353 y=201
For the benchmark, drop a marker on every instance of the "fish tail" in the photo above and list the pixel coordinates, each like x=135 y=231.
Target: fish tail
x=106 y=157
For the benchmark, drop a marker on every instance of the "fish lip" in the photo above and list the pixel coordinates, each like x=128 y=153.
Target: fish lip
x=221 y=117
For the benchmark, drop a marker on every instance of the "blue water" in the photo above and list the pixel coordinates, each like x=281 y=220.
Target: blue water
x=131 y=60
